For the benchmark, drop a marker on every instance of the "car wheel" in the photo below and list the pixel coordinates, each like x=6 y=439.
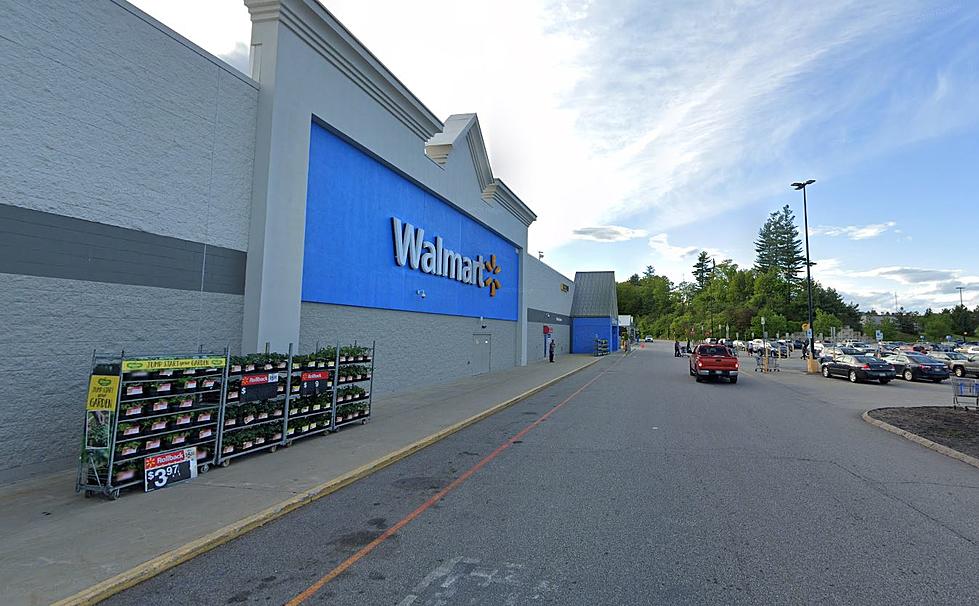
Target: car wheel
x=697 y=378
x=908 y=375
x=734 y=380
x=853 y=376
x=826 y=371
x=959 y=371
x=885 y=381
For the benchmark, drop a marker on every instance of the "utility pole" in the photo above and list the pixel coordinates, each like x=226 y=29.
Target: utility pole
x=961 y=301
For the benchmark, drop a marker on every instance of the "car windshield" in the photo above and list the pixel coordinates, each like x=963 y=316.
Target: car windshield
x=713 y=350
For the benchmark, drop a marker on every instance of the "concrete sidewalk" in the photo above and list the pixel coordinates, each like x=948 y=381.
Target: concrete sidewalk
x=56 y=543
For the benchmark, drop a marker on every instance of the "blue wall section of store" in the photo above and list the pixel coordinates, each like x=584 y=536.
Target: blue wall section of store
x=584 y=331
x=349 y=256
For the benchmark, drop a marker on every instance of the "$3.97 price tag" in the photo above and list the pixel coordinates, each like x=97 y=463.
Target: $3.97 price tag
x=169 y=468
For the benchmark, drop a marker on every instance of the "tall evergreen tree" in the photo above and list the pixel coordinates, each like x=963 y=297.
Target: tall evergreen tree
x=703 y=268
x=778 y=246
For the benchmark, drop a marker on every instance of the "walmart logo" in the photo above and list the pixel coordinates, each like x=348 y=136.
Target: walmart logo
x=412 y=249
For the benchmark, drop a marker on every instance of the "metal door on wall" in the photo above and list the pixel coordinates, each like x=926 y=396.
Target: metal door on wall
x=482 y=346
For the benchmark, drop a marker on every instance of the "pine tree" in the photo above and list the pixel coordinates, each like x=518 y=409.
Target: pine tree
x=702 y=269
x=778 y=246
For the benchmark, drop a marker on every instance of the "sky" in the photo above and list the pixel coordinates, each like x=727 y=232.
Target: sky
x=642 y=132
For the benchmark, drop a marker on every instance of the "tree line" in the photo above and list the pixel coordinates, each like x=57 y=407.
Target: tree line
x=724 y=298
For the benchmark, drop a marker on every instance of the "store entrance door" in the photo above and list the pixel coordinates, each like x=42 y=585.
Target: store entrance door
x=482 y=346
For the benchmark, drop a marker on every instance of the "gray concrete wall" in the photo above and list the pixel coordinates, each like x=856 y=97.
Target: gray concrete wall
x=110 y=117
x=413 y=349
x=543 y=293
x=542 y=287
x=51 y=326
x=535 y=340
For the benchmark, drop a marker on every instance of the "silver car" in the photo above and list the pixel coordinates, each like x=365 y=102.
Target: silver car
x=960 y=364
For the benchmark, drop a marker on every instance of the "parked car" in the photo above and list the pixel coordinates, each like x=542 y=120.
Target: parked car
x=777 y=349
x=915 y=366
x=859 y=368
x=739 y=344
x=969 y=350
x=756 y=345
x=648 y=339
x=714 y=361
x=958 y=364
x=797 y=343
x=828 y=353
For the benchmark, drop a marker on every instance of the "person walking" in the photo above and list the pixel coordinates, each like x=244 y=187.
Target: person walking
x=676 y=348
x=550 y=351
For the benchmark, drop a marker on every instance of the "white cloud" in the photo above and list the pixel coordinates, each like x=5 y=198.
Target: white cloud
x=608 y=233
x=661 y=244
x=855 y=232
x=221 y=27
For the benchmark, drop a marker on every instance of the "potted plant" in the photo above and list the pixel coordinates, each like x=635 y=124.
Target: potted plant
x=128 y=448
x=124 y=473
x=204 y=433
x=230 y=421
x=248 y=414
x=151 y=444
x=129 y=429
x=184 y=402
x=158 y=424
x=183 y=419
x=277 y=412
x=208 y=384
x=133 y=411
x=203 y=453
x=134 y=390
x=204 y=416
x=177 y=439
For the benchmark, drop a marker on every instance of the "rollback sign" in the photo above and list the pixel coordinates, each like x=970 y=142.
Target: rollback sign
x=412 y=249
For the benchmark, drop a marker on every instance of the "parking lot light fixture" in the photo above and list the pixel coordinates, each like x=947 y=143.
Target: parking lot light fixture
x=811 y=365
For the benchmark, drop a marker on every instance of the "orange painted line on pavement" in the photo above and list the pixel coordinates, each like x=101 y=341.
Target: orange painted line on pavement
x=367 y=549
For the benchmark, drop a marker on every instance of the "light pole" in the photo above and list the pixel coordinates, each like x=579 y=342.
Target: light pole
x=961 y=301
x=811 y=363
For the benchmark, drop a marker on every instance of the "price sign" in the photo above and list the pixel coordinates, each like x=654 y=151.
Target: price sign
x=162 y=470
x=314 y=383
x=259 y=387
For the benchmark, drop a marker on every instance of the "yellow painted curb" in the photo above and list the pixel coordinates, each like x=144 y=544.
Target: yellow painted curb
x=945 y=450
x=166 y=561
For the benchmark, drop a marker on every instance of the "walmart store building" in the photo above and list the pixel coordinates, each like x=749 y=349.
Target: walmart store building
x=155 y=200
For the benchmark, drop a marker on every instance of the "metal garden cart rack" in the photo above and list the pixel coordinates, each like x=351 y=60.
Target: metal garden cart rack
x=140 y=406
x=355 y=407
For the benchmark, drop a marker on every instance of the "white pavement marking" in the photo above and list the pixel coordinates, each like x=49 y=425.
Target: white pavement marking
x=466 y=576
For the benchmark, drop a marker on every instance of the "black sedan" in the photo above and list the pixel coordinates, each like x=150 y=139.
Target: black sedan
x=915 y=367
x=859 y=368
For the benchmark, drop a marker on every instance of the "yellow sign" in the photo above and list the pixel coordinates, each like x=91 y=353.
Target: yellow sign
x=102 y=393
x=175 y=363
x=805 y=326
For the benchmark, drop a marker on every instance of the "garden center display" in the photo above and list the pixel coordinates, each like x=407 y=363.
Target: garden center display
x=155 y=420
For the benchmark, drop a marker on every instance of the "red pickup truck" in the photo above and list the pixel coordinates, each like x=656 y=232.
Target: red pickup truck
x=713 y=361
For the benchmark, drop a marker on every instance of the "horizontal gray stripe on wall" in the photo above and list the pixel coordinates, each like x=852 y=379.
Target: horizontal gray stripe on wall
x=547 y=317
x=36 y=243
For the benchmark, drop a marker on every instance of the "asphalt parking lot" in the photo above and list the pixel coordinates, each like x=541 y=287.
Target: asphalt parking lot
x=859 y=396
x=629 y=483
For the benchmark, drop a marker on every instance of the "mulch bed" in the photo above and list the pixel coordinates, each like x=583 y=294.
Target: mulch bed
x=956 y=428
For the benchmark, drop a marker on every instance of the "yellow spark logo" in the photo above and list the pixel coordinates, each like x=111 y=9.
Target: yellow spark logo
x=493 y=269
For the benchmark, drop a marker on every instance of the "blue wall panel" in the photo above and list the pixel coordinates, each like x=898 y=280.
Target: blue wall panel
x=349 y=256
x=584 y=331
